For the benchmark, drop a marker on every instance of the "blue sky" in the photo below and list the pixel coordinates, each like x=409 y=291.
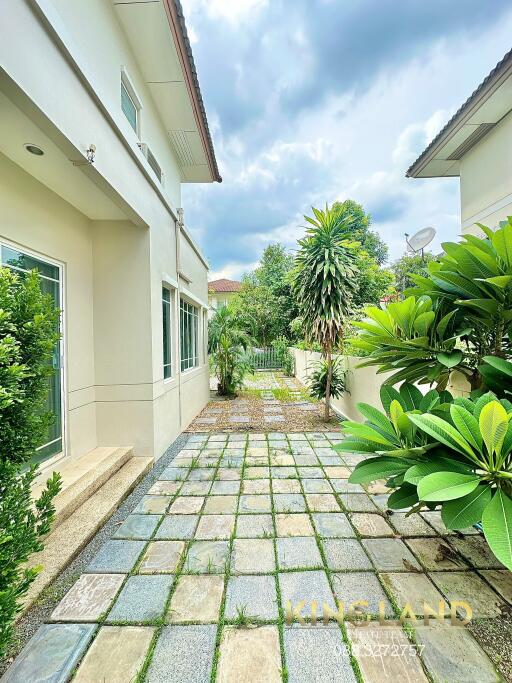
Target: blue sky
x=312 y=101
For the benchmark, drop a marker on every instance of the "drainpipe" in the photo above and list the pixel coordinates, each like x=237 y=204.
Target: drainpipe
x=177 y=232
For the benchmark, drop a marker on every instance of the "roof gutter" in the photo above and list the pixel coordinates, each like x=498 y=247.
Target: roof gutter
x=179 y=31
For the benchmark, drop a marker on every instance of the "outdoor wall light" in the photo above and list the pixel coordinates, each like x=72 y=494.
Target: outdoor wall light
x=33 y=149
x=90 y=153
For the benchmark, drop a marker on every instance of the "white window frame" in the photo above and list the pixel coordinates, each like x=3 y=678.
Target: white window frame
x=127 y=84
x=185 y=304
x=170 y=331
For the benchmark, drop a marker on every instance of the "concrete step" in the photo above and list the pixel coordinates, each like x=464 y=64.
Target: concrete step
x=81 y=477
x=66 y=540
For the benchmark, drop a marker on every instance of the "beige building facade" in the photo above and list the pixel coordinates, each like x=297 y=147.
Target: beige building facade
x=101 y=121
x=474 y=146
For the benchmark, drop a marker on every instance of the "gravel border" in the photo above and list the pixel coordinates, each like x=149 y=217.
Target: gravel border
x=41 y=610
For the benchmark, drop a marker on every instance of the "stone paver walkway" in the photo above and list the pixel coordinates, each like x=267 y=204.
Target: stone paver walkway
x=244 y=533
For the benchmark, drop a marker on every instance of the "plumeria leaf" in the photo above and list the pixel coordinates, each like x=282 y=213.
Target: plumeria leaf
x=447 y=485
x=497 y=524
x=462 y=513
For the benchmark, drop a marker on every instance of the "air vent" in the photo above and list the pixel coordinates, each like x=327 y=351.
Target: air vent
x=151 y=160
x=471 y=141
x=182 y=148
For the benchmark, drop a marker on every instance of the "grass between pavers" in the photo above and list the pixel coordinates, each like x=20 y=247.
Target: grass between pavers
x=181 y=569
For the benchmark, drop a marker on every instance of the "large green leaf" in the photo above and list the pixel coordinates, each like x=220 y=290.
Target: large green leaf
x=450 y=359
x=442 y=486
x=493 y=423
x=500 y=364
x=422 y=469
x=404 y=497
x=388 y=394
x=442 y=431
x=411 y=395
x=364 y=431
x=467 y=425
x=502 y=242
x=375 y=417
x=497 y=524
x=462 y=513
x=378 y=468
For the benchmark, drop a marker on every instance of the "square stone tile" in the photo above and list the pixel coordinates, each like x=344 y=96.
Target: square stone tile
x=306 y=460
x=256 y=486
x=225 y=488
x=280 y=458
x=252 y=556
x=239 y=419
x=164 y=488
x=297 y=524
x=251 y=655
x=212 y=527
x=142 y=598
x=436 y=554
x=434 y=519
x=220 y=505
x=332 y=525
x=390 y=555
x=329 y=460
x=361 y=587
x=357 y=502
x=276 y=436
x=120 y=650
x=412 y=525
x=116 y=557
x=186 y=505
x=404 y=665
x=305 y=586
x=476 y=552
x=413 y=589
x=273 y=418
x=371 y=525
x=298 y=552
x=229 y=474
x=161 y=557
x=337 y=472
x=256 y=461
x=179 y=527
x=283 y=473
x=322 y=502
x=153 y=505
x=89 y=598
x=205 y=420
x=254 y=503
x=316 y=486
x=259 y=472
x=195 y=645
x=175 y=474
x=256 y=595
x=257 y=451
x=254 y=526
x=286 y=486
x=289 y=502
x=196 y=488
x=51 y=654
x=137 y=527
x=201 y=474
x=311 y=472
x=343 y=486
x=501 y=581
x=345 y=554
x=470 y=588
x=196 y=598
x=452 y=654
x=207 y=557
x=317 y=654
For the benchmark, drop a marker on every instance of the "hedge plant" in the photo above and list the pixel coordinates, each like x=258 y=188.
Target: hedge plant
x=28 y=334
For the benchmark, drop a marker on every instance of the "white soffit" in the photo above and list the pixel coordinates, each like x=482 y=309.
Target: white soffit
x=146 y=26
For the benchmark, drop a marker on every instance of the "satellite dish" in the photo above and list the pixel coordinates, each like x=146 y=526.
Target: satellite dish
x=420 y=240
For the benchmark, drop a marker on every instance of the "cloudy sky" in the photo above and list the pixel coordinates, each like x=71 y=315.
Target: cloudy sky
x=312 y=101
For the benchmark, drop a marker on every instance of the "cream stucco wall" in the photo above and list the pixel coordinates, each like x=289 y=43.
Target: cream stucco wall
x=486 y=179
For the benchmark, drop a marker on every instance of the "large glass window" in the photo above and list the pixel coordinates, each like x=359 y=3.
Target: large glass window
x=129 y=107
x=49 y=278
x=167 y=331
x=188 y=335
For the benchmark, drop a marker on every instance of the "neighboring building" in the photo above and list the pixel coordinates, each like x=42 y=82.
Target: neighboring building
x=220 y=293
x=475 y=146
x=101 y=121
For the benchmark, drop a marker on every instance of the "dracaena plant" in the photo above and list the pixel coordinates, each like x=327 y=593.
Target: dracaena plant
x=456 y=454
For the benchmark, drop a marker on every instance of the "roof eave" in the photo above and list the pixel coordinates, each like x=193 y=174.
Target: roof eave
x=178 y=28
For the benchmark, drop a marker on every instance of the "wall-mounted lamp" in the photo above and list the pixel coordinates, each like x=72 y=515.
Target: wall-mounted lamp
x=90 y=153
x=33 y=149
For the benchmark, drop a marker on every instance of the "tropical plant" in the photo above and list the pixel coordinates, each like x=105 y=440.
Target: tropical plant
x=407 y=266
x=28 y=334
x=228 y=344
x=358 y=224
x=280 y=346
x=317 y=381
x=324 y=283
x=452 y=319
x=437 y=451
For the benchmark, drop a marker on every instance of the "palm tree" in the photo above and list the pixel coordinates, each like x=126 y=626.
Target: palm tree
x=324 y=283
x=227 y=344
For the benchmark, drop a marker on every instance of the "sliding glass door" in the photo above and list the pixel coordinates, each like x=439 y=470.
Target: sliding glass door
x=50 y=280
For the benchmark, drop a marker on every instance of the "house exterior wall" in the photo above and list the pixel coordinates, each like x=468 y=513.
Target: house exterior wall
x=486 y=179
x=219 y=299
x=115 y=260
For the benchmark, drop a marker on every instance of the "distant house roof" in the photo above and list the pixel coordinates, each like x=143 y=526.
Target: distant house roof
x=488 y=104
x=224 y=285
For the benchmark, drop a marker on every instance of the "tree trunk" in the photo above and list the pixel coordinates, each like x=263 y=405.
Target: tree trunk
x=327 y=413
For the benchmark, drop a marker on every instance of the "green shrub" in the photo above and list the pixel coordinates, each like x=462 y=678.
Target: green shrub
x=228 y=344
x=317 y=382
x=280 y=346
x=28 y=334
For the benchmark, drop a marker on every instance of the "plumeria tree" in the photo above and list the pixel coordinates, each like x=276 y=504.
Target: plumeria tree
x=325 y=280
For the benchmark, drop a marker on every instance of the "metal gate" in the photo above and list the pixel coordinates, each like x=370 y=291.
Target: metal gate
x=266 y=359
